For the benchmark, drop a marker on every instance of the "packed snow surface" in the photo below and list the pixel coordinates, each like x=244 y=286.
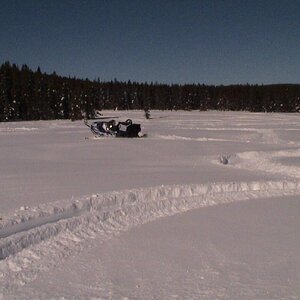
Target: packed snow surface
x=205 y=207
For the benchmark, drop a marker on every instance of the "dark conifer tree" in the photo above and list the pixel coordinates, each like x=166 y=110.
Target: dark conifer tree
x=6 y=99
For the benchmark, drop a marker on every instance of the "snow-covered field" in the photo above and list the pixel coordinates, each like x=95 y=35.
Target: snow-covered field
x=206 y=207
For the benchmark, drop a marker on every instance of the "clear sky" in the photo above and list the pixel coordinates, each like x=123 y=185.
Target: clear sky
x=168 y=41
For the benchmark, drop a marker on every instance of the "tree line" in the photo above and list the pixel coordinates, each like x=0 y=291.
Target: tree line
x=34 y=95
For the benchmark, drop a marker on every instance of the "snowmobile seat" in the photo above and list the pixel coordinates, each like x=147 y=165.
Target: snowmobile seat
x=131 y=130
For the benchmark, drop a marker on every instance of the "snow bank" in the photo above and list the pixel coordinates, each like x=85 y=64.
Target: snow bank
x=43 y=236
x=268 y=162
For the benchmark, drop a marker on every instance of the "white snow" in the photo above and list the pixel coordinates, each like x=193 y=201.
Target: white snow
x=205 y=207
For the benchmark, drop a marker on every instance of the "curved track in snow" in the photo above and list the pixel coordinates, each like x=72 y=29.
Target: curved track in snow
x=40 y=238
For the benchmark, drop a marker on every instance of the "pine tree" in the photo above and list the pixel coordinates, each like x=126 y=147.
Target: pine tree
x=6 y=101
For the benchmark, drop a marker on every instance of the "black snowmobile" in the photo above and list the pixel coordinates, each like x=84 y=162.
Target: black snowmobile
x=114 y=128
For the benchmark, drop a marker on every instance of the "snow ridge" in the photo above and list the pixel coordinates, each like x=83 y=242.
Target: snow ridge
x=184 y=138
x=265 y=161
x=39 y=238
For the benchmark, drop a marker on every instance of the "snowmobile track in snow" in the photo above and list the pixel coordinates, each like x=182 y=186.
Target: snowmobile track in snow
x=40 y=221
x=44 y=236
x=48 y=221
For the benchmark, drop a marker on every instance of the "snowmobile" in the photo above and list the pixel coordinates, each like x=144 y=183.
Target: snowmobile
x=114 y=128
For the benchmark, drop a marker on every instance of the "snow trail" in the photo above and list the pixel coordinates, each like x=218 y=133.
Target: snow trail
x=44 y=236
x=268 y=162
x=40 y=221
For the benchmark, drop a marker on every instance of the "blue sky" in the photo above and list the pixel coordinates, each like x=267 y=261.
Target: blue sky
x=208 y=41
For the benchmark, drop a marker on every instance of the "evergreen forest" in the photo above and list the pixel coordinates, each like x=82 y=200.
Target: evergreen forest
x=26 y=94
